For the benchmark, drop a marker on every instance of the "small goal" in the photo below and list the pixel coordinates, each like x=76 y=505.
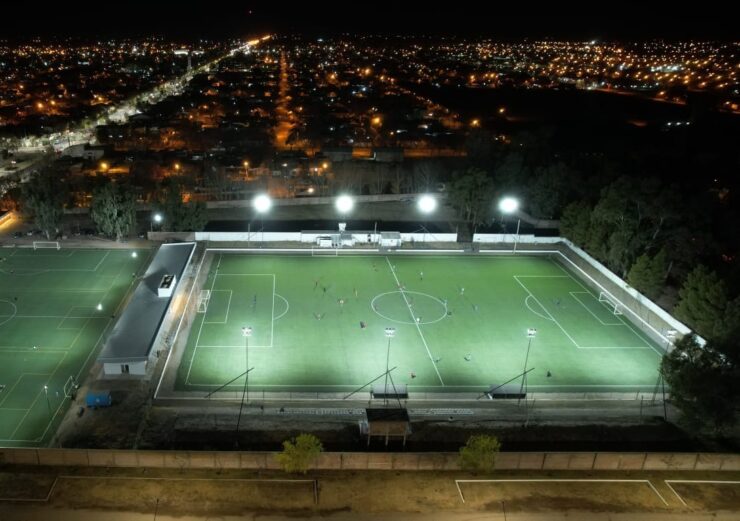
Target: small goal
x=203 y=299
x=46 y=245
x=610 y=302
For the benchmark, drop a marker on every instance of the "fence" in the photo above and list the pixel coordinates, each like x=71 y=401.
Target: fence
x=652 y=320
x=372 y=461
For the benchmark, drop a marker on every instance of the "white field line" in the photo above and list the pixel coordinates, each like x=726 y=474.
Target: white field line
x=64 y=355
x=272 y=316
x=546 y=311
x=200 y=329
x=556 y=480
x=526 y=303
x=602 y=288
x=182 y=317
x=228 y=308
x=413 y=318
x=574 y=293
x=696 y=482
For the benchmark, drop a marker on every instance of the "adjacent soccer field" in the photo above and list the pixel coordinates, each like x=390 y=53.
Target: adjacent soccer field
x=50 y=326
x=318 y=324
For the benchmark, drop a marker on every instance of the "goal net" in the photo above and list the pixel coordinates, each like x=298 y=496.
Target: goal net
x=324 y=252
x=610 y=302
x=38 y=245
x=203 y=299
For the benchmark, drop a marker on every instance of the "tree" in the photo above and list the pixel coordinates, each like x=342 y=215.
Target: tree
x=43 y=196
x=299 y=453
x=648 y=274
x=183 y=217
x=479 y=453
x=113 y=210
x=575 y=223
x=703 y=302
x=702 y=381
x=471 y=194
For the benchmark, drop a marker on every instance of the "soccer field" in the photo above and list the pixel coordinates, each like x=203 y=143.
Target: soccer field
x=318 y=325
x=55 y=306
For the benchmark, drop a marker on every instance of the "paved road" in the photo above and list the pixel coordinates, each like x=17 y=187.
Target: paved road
x=46 y=513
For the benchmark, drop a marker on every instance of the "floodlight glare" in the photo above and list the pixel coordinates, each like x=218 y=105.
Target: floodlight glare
x=134 y=254
x=427 y=204
x=100 y=307
x=157 y=217
x=262 y=203
x=344 y=204
x=508 y=205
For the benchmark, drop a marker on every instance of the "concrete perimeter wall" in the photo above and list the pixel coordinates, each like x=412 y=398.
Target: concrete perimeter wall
x=371 y=461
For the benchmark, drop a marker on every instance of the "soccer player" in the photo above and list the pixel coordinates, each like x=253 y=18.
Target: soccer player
x=421 y=275
x=462 y=291
x=254 y=300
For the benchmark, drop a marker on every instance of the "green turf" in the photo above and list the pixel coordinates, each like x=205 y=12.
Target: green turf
x=50 y=328
x=482 y=341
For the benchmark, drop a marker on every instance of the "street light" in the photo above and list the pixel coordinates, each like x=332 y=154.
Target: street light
x=509 y=205
x=246 y=333
x=390 y=332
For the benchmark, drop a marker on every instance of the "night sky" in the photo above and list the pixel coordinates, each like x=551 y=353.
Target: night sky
x=190 y=20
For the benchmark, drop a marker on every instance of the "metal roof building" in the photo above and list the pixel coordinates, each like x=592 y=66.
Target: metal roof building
x=129 y=345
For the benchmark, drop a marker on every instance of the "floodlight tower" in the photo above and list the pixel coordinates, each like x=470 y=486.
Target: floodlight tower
x=390 y=332
x=246 y=333
x=531 y=333
x=426 y=204
x=261 y=204
x=510 y=205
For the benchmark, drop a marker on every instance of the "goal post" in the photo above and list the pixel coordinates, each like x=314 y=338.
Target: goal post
x=203 y=298
x=610 y=302
x=39 y=245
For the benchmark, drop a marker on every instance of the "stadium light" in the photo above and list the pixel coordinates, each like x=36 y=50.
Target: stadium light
x=262 y=203
x=99 y=307
x=344 y=204
x=427 y=204
x=390 y=332
x=134 y=254
x=510 y=205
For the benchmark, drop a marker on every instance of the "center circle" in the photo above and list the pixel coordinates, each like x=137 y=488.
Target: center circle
x=399 y=306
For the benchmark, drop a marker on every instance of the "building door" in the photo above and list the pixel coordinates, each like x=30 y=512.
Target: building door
x=124 y=368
